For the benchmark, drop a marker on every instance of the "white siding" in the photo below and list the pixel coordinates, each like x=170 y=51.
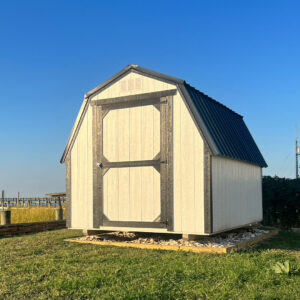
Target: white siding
x=131 y=194
x=132 y=84
x=81 y=176
x=131 y=134
x=188 y=172
x=236 y=193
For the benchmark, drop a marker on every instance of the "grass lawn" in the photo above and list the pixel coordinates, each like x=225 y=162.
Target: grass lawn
x=43 y=266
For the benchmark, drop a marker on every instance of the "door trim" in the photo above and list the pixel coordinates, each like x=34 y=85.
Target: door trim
x=137 y=97
x=134 y=224
x=97 y=176
x=164 y=163
x=131 y=164
x=169 y=130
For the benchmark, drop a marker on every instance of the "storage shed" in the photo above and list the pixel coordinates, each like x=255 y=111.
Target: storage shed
x=148 y=152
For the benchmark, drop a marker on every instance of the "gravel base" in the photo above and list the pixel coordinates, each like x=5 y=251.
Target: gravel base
x=217 y=241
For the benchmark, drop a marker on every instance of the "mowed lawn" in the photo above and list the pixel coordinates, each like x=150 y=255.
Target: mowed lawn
x=43 y=266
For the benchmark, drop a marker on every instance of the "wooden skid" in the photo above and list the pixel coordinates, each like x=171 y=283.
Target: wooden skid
x=248 y=243
x=228 y=249
x=149 y=246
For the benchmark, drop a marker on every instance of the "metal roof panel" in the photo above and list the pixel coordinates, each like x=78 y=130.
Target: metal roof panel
x=227 y=129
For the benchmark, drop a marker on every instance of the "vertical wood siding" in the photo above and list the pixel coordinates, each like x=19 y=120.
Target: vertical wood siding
x=81 y=175
x=131 y=194
x=236 y=192
x=131 y=134
x=188 y=172
x=132 y=84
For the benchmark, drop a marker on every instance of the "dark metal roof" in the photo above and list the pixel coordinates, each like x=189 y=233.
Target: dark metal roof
x=226 y=128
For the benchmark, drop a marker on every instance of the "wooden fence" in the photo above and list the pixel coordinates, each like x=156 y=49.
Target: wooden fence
x=30 y=202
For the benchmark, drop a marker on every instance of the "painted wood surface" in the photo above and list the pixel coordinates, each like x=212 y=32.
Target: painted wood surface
x=188 y=172
x=187 y=152
x=131 y=84
x=81 y=176
x=131 y=134
x=132 y=194
x=236 y=192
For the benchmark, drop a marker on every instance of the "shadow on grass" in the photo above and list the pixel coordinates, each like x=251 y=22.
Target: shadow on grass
x=284 y=240
x=28 y=234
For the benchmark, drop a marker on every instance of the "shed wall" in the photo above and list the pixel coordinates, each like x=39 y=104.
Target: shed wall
x=81 y=176
x=188 y=159
x=236 y=193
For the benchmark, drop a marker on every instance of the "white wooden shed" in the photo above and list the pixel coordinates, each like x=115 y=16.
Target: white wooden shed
x=150 y=153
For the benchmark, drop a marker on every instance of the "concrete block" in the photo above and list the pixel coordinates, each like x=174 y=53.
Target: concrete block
x=189 y=237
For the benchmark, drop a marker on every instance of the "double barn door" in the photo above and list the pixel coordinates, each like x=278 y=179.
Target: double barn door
x=133 y=161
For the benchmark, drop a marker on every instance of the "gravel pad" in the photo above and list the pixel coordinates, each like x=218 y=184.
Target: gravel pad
x=217 y=241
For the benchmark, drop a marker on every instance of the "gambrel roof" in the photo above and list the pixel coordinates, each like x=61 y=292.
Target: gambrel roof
x=223 y=130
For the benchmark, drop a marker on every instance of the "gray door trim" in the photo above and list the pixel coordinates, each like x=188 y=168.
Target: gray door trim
x=170 y=198
x=134 y=224
x=97 y=176
x=164 y=163
x=138 y=97
x=131 y=164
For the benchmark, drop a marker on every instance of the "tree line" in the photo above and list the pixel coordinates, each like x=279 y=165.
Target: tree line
x=281 y=201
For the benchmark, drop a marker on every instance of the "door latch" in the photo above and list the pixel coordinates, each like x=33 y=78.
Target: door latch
x=99 y=165
x=164 y=162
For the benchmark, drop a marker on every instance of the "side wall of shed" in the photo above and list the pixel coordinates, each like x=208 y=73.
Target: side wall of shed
x=236 y=193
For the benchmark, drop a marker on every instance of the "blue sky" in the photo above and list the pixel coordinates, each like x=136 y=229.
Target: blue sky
x=245 y=54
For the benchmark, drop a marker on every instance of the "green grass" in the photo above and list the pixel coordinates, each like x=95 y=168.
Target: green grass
x=43 y=266
x=32 y=214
